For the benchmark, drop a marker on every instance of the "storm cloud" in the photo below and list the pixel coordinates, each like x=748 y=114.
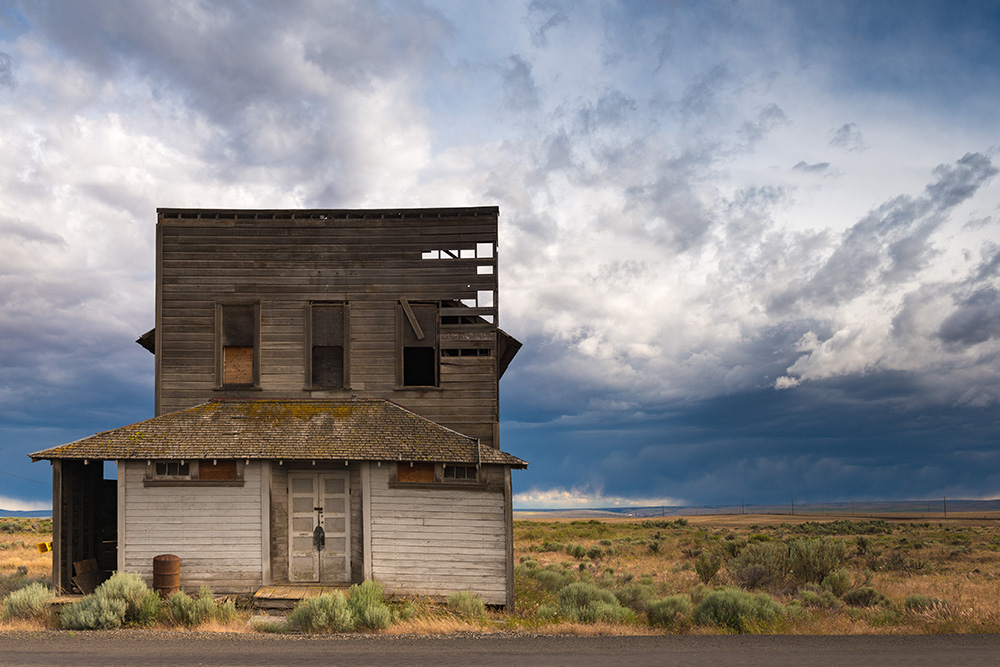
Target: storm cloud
x=732 y=271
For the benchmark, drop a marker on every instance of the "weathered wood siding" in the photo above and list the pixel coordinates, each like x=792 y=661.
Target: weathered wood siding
x=278 y=513
x=215 y=530
x=368 y=259
x=435 y=542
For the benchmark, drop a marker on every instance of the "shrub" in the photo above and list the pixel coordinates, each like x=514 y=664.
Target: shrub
x=595 y=552
x=467 y=603
x=366 y=603
x=587 y=603
x=553 y=580
x=142 y=604
x=547 y=612
x=580 y=594
x=636 y=596
x=328 y=612
x=920 y=603
x=865 y=597
x=815 y=596
x=736 y=609
x=124 y=599
x=812 y=559
x=576 y=550
x=94 y=612
x=608 y=612
x=669 y=611
x=29 y=603
x=760 y=564
x=837 y=582
x=707 y=566
x=186 y=610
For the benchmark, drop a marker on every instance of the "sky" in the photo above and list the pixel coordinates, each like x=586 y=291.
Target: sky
x=752 y=249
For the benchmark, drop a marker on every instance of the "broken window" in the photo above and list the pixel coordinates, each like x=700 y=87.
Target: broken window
x=417 y=324
x=238 y=340
x=328 y=362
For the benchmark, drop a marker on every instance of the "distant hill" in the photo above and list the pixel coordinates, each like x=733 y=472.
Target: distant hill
x=840 y=509
x=35 y=514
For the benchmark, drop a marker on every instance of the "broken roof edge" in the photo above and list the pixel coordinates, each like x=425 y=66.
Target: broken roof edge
x=322 y=213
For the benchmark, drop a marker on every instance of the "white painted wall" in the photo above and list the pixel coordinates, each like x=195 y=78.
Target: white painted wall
x=436 y=542
x=215 y=530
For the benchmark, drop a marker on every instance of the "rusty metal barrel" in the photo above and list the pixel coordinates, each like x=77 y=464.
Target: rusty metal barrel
x=166 y=574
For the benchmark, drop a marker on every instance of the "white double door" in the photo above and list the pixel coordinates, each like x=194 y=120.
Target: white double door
x=319 y=500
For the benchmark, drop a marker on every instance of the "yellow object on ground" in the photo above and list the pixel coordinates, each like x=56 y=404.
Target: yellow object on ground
x=44 y=547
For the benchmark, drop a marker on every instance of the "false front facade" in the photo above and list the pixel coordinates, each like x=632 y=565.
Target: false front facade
x=327 y=409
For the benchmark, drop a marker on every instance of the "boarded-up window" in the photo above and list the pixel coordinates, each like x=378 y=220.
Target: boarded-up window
x=239 y=344
x=416 y=473
x=217 y=470
x=418 y=354
x=328 y=335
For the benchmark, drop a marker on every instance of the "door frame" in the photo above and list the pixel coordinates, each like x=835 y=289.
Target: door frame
x=319 y=477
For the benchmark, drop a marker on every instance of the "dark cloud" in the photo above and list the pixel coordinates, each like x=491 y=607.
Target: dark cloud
x=769 y=117
x=958 y=182
x=519 y=90
x=22 y=232
x=611 y=109
x=6 y=71
x=846 y=439
x=700 y=95
x=848 y=137
x=543 y=16
x=892 y=242
x=976 y=319
x=817 y=168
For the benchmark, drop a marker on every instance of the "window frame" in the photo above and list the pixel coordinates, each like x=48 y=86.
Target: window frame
x=403 y=326
x=151 y=478
x=440 y=481
x=310 y=384
x=220 y=347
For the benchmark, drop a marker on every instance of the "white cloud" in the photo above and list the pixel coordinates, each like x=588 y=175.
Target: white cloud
x=19 y=505
x=560 y=498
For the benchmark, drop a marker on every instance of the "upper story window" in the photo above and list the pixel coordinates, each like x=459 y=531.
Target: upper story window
x=328 y=335
x=417 y=343
x=238 y=344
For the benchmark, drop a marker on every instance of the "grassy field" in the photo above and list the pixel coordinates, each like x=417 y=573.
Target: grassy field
x=707 y=574
x=831 y=576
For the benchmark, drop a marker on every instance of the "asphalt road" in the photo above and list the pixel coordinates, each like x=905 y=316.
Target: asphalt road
x=188 y=648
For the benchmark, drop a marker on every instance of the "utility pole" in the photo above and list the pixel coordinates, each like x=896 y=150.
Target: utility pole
x=944 y=500
x=793 y=506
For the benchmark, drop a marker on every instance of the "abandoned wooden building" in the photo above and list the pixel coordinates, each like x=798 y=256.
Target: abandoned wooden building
x=327 y=410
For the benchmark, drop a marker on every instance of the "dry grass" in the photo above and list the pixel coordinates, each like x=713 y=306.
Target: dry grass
x=956 y=560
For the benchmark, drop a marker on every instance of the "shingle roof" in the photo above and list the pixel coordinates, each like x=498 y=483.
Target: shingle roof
x=359 y=430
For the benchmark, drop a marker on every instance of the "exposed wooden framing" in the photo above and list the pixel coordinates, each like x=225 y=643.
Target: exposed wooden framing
x=369 y=260
x=417 y=331
x=58 y=529
x=508 y=512
x=366 y=519
x=265 y=522
x=122 y=499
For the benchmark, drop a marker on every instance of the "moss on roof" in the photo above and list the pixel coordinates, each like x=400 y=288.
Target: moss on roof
x=360 y=430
